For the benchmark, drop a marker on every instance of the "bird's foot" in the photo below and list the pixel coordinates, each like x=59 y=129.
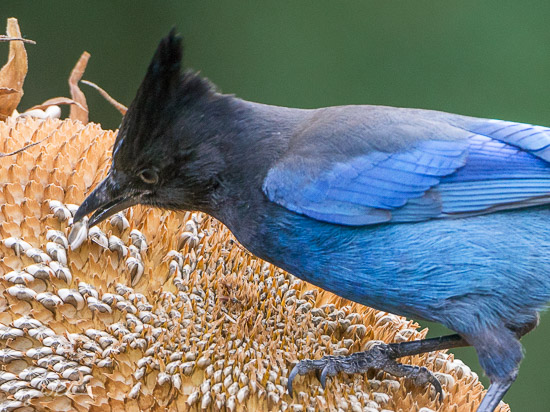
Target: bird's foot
x=381 y=357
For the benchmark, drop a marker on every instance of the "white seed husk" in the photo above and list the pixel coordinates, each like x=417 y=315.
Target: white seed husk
x=78 y=233
x=19 y=246
x=134 y=392
x=97 y=236
x=58 y=237
x=24 y=395
x=72 y=297
x=21 y=292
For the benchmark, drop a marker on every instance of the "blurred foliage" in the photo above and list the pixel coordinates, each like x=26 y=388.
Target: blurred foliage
x=488 y=59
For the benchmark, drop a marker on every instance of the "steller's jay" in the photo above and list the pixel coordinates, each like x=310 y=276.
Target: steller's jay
x=420 y=213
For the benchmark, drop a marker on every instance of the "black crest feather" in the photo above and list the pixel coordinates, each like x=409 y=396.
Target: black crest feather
x=163 y=74
x=165 y=78
x=167 y=59
x=165 y=83
x=154 y=94
x=164 y=92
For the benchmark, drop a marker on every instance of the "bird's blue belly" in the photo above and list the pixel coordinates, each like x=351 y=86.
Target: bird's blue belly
x=460 y=272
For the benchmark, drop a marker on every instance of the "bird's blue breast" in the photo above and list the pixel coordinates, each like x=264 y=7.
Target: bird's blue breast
x=496 y=265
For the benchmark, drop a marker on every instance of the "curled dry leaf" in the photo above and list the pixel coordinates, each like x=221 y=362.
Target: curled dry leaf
x=119 y=106
x=80 y=111
x=12 y=75
x=56 y=101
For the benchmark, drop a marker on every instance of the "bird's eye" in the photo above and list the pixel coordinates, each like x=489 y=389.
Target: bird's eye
x=149 y=176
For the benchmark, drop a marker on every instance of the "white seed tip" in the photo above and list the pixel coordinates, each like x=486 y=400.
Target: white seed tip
x=78 y=233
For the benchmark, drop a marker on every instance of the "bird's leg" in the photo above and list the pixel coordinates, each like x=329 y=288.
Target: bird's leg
x=380 y=357
x=499 y=352
x=496 y=392
x=416 y=347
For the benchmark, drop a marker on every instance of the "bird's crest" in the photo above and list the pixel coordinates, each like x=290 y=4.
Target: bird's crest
x=164 y=92
x=163 y=75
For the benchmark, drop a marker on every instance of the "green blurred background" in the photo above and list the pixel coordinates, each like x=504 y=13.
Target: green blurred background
x=487 y=59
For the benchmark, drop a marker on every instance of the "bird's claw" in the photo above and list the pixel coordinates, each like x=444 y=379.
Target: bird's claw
x=360 y=362
x=324 y=367
x=302 y=368
x=323 y=378
x=423 y=376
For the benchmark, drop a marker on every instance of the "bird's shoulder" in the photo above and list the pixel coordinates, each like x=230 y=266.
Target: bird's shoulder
x=359 y=129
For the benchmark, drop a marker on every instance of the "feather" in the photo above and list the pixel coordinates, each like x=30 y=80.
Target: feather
x=494 y=166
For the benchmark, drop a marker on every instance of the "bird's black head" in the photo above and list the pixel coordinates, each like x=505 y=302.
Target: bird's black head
x=163 y=155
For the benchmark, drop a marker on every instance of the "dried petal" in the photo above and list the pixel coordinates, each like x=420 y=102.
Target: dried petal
x=13 y=74
x=79 y=112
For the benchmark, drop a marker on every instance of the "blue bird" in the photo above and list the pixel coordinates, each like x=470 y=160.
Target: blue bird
x=420 y=213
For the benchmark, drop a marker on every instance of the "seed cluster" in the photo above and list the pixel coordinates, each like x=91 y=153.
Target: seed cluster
x=158 y=310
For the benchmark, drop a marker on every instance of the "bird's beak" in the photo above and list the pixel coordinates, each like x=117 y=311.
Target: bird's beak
x=107 y=199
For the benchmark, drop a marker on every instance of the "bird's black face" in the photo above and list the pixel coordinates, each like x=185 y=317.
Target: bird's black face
x=161 y=156
x=118 y=191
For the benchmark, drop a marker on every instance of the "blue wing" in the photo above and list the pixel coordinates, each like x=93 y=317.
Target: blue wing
x=491 y=165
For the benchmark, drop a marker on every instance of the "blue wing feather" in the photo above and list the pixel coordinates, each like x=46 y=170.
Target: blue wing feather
x=534 y=139
x=497 y=165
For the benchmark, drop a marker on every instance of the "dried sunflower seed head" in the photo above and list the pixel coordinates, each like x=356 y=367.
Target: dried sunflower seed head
x=164 y=316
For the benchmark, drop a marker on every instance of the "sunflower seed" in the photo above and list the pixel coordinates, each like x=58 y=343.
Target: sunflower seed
x=138 y=240
x=134 y=392
x=24 y=395
x=43 y=380
x=13 y=386
x=10 y=333
x=57 y=237
x=8 y=406
x=57 y=386
x=87 y=290
x=136 y=269
x=72 y=297
x=118 y=246
x=78 y=233
x=119 y=221
x=49 y=360
x=57 y=252
x=38 y=255
x=59 y=210
x=19 y=277
x=40 y=332
x=40 y=271
x=49 y=300
x=19 y=246
x=61 y=272
x=97 y=236
x=32 y=372
x=8 y=355
x=6 y=376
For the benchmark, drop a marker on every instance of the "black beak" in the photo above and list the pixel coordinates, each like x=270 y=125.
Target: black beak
x=107 y=199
